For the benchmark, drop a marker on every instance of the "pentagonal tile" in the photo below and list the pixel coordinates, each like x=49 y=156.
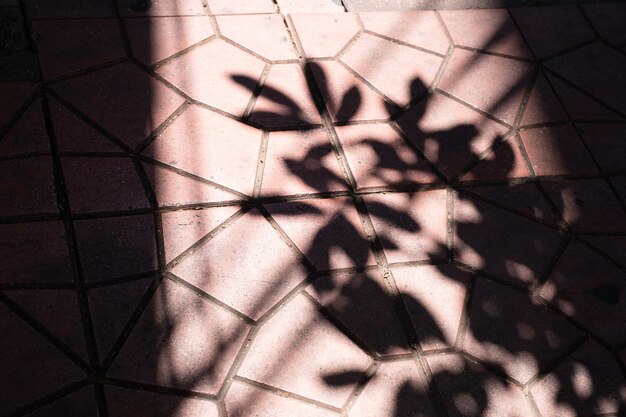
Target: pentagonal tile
x=324 y=34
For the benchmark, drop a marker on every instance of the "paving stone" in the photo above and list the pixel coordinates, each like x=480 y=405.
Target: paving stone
x=231 y=70
x=606 y=143
x=298 y=350
x=27 y=186
x=613 y=246
x=181 y=341
x=13 y=96
x=379 y=157
x=543 y=105
x=250 y=276
x=81 y=402
x=249 y=6
x=324 y=34
x=329 y=232
x=52 y=9
x=155 y=39
x=310 y=6
x=505 y=162
x=607 y=19
x=66 y=46
x=399 y=72
x=160 y=7
x=435 y=299
x=361 y=302
x=411 y=227
x=28 y=134
x=299 y=162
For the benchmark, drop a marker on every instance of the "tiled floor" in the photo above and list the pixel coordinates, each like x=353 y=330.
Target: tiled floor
x=223 y=209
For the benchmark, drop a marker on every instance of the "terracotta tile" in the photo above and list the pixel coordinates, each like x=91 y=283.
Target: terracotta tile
x=509 y=329
x=590 y=290
x=600 y=74
x=606 y=143
x=327 y=231
x=396 y=389
x=154 y=39
x=32 y=367
x=81 y=402
x=285 y=99
x=69 y=9
x=493 y=84
x=116 y=246
x=620 y=187
x=111 y=308
x=298 y=350
x=160 y=7
x=543 y=105
x=557 y=150
x=362 y=304
x=34 y=252
x=269 y=270
x=552 y=29
x=58 y=311
x=470 y=390
x=449 y=134
x=27 y=186
x=589 y=206
x=310 y=6
x=608 y=19
x=123 y=99
x=299 y=162
x=400 y=72
x=500 y=243
x=181 y=229
x=434 y=296
x=324 y=34
x=13 y=96
x=346 y=96
x=222 y=63
x=211 y=146
x=65 y=46
x=264 y=34
x=248 y=6
x=587 y=382
x=488 y=29
x=379 y=157
x=419 y=28
x=173 y=189
x=612 y=246
x=410 y=227
x=28 y=134
x=505 y=162
x=122 y=402
x=181 y=341
x=103 y=184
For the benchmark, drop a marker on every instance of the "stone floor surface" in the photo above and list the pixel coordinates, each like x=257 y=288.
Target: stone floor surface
x=229 y=209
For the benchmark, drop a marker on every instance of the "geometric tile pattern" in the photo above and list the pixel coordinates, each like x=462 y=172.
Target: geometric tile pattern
x=214 y=208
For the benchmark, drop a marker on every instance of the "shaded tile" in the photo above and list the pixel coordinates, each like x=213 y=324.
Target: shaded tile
x=327 y=231
x=449 y=134
x=299 y=162
x=488 y=29
x=27 y=186
x=123 y=99
x=361 y=302
x=557 y=150
x=552 y=29
x=493 y=84
x=400 y=72
x=587 y=382
x=249 y=274
x=298 y=350
x=504 y=162
x=78 y=403
x=103 y=184
x=410 y=227
x=543 y=105
x=379 y=157
x=122 y=402
x=13 y=95
x=396 y=389
x=211 y=146
x=34 y=252
x=181 y=229
x=500 y=243
x=612 y=246
x=469 y=390
x=589 y=206
x=160 y=7
x=434 y=296
x=154 y=39
x=324 y=35
x=265 y=35
x=590 y=290
x=285 y=99
x=419 y=28
x=222 y=63
x=28 y=134
x=248 y=6
x=346 y=96
x=68 y=9
x=65 y=46
x=116 y=246
x=181 y=341
x=608 y=20
x=606 y=143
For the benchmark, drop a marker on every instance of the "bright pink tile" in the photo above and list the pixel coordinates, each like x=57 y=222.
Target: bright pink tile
x=249 y=6
x=324 y=34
